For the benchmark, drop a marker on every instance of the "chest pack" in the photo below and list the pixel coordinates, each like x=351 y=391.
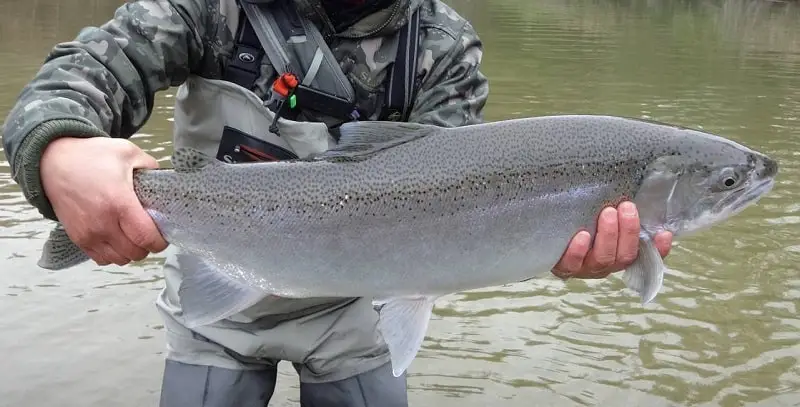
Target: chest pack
x=308 y=78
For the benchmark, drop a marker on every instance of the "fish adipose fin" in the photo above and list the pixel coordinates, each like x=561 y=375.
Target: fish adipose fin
x=359 y=140
x=208 y=295
x=403 y=323
x=190 y=159
x=646 y=274
x=59 y=252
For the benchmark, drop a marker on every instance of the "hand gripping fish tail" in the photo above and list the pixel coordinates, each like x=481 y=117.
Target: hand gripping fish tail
x=405 y=213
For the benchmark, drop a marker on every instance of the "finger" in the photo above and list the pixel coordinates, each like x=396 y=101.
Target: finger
x=96 y=257
x=88 y=243
x=113 y=236
x=596 y=274
x=628 y=248
x=561 y=274
x=140 y=229
x=663 y=242
x=604 y=249
x=135 y=155
x=572 y=260
x=125 y=247
x=107 y=251
x=140 y=159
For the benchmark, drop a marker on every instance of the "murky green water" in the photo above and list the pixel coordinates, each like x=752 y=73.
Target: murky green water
x=725 y=331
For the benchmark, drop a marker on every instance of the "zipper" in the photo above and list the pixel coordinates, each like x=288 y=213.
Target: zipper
x=395 y=10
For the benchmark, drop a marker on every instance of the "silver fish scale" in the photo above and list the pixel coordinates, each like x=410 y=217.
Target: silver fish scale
x=458 y=209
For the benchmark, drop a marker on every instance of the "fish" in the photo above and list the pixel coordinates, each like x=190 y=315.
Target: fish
x=405 y=213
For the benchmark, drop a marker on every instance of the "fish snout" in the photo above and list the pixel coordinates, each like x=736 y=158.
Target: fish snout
x=768 y=168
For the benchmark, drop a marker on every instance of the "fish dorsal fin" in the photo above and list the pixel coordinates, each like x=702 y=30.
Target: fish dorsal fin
x=190 y=159
x=360 y=140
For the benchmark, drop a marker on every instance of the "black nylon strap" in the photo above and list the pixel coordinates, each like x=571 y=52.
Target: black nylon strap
x=401 y=89
x=244 y=66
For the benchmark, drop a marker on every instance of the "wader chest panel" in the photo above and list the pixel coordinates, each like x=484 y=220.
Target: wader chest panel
x=294 y=45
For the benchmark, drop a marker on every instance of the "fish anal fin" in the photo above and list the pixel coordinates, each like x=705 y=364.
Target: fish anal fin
x=403 y=323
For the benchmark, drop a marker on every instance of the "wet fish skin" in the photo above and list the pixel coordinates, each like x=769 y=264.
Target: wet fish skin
x=405 y=213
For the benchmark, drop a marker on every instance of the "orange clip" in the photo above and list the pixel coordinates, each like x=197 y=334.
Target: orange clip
x=285 y=84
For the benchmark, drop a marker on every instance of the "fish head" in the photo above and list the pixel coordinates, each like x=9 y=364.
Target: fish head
x=700 y=180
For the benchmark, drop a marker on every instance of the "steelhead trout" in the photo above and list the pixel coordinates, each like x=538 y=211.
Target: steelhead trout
x=405 y=213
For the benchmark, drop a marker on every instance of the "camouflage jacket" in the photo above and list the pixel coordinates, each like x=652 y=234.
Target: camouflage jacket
x=103 y=83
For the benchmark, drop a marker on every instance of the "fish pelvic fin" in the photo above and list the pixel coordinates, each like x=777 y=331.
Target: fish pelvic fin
x=403 y=323
x=646 y=274
x=208 y=295
x=190 y=159
x=359 y=140
x=60 y=252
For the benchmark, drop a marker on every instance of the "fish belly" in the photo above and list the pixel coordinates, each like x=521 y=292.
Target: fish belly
x=400 y=253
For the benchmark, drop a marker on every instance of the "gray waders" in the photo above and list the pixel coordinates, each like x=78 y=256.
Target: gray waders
x=207 y=386
x=333 y=343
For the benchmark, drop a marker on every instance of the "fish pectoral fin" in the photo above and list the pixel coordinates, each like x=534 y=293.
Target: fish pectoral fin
x=646 y=274
x=208 y=295
x=60 y=252
x=360 y=139
x=190 y=159
x=403 y=323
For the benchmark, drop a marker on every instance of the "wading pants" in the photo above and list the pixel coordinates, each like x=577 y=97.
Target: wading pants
x=333 y=343
x=187 y=385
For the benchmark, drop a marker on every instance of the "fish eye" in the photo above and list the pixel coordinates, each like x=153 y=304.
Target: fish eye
x=729 y=178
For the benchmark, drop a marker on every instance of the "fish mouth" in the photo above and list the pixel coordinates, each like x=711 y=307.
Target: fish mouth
x=756 y=192
x=741 y=199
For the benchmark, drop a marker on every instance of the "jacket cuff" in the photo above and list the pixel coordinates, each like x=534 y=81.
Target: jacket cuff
x=26 y=164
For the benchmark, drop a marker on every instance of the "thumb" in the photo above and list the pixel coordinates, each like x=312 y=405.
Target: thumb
x=140 y=228
x=135 y=223
x=144 y=160
x=134 y=156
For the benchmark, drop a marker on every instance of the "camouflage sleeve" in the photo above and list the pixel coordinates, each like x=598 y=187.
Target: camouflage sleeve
x=103 y=83
x=454 y=91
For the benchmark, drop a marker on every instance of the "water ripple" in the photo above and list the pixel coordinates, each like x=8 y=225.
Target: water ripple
x=724 y=330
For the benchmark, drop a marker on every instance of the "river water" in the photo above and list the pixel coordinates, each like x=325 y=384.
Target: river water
x=724 y=332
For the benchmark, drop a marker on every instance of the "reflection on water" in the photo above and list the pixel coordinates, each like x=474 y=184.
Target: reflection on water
x=723 y=332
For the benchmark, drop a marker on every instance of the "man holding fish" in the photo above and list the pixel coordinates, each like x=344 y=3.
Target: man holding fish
x=253 y=87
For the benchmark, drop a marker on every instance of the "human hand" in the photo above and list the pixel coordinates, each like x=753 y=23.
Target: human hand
x=89 y=182
x=616 y=245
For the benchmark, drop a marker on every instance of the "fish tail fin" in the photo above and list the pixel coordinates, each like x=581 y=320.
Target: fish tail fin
x=60 y=252
x=403 y=323
x=646 y=274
